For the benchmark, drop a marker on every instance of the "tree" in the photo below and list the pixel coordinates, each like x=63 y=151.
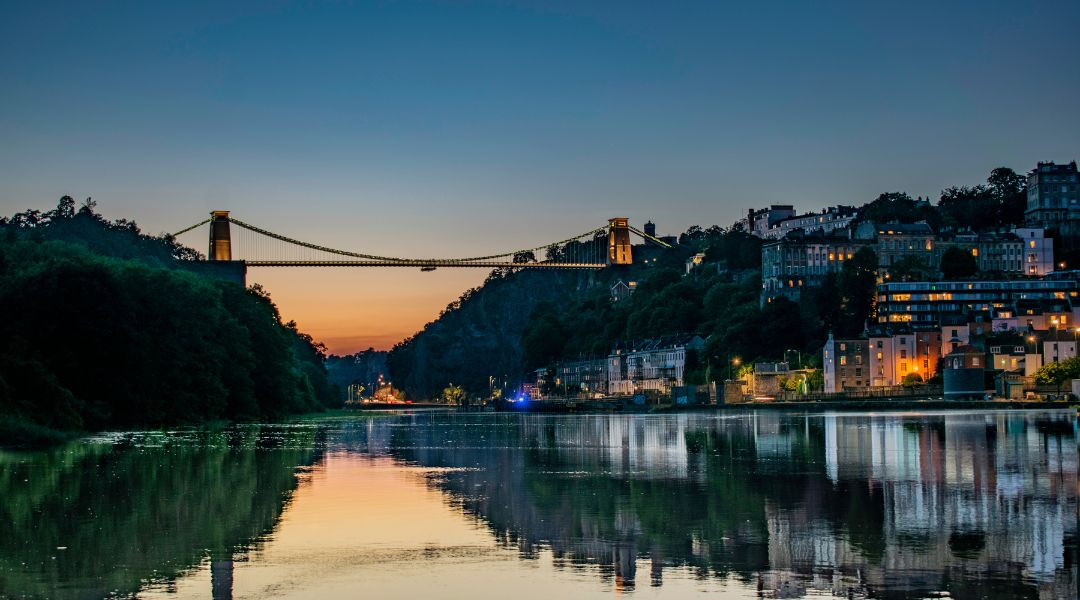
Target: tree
x=733 y=246
x=525 y=256
x=957 y=263
x=65 y=209
x=898 y=207
x=857 y=286
x=693 y=369
x=911 y=380
x=1010 y=191
x=544 y=337
x=972 y=207
x=453 y=394
x=909 y=268
x=1057 y=373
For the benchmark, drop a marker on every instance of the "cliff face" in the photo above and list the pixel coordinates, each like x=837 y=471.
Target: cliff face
x=480 y=335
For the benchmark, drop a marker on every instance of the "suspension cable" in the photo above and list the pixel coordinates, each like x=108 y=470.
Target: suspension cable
x=187 y=229
x=401 y=260
x=648 y=237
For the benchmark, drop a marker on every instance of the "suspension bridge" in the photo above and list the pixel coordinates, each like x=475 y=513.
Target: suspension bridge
x=252 y=246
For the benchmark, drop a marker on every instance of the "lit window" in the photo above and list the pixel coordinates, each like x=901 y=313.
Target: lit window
x=1031 y=244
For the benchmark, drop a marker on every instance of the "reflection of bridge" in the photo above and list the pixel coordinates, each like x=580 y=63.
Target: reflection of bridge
x=256 y=247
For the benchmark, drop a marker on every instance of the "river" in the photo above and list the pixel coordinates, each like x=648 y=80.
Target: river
x=480 y=505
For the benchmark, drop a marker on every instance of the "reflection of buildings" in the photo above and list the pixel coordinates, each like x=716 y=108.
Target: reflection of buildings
x=957 y=490
x=971 y=504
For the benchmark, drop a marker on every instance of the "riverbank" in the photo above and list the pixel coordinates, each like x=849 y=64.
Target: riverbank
x=613 y=406
x=20 y=434
x=853 y=405
x=379 y=406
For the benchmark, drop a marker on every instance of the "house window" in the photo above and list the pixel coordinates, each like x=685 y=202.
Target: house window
x=843 y=360
x=903 y=353
x=974 y=361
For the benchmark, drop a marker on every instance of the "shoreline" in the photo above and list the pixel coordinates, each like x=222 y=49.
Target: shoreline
x=988 y=405
x=846 y=405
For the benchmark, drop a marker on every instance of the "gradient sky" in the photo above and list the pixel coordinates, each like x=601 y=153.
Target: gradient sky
x=452 y=128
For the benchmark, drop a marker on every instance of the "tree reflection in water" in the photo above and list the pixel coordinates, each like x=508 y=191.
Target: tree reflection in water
x=972 y=504
x=109 y=517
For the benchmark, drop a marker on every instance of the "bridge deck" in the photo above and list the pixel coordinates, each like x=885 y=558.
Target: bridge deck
x=418 y=264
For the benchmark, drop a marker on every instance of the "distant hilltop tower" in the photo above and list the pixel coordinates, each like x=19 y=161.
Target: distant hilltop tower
x=650 y=228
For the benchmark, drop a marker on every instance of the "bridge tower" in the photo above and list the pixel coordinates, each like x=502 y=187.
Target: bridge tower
x=619 y=241
x=220 y=236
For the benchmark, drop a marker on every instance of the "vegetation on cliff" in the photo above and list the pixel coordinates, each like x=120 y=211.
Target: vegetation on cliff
x=104 y=330
x=523 y=320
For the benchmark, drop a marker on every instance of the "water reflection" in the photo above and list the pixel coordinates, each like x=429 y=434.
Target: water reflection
x=112 y=516
x=471 y=505
x=913 y=505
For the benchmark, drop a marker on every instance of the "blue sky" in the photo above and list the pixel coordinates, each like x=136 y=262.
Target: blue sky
x=470 y=126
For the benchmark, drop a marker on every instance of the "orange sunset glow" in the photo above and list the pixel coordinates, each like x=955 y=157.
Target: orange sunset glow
x=352 y=309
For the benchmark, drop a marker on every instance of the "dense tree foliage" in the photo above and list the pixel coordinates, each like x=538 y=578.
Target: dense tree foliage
x=910 y=268
x=957 y=263
x=104 y=333
x=999 y=203
x=1057 y=373
x=899 y=207
x=363 y=368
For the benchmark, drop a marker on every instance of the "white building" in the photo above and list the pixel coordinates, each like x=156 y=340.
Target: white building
x=656 y=364
x=1038 y=251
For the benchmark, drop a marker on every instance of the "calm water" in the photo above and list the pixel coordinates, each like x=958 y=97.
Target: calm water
x=440 y=505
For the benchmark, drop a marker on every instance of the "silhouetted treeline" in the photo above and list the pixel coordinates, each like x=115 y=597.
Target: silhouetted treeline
x=102 y=330
x=363 y=368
